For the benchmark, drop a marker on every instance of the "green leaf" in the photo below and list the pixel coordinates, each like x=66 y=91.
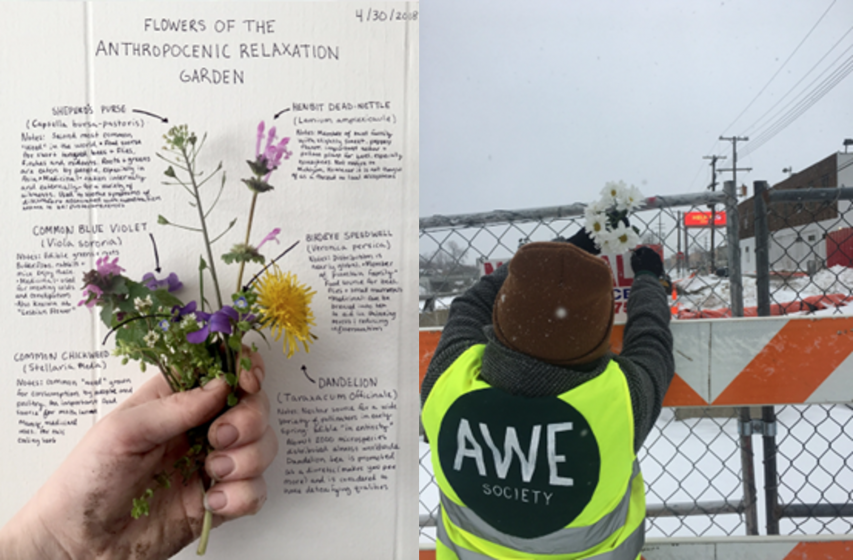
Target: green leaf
x=162 y=221
x=259 y=167
x=235 y=342
x=246 y=364
x=140 y=505
x=258 y=186
x=231 y=379
x=232 y=399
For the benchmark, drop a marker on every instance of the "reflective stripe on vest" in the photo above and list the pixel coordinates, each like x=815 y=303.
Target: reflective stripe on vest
x=569 y=540
x=627 y=550
x=610 y=524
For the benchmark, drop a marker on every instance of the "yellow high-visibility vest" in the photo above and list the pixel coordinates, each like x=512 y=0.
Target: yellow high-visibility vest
x=551 y=477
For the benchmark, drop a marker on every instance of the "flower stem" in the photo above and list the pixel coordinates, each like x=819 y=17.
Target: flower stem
x=205 y=532
x=203 y=226
x=248 y=234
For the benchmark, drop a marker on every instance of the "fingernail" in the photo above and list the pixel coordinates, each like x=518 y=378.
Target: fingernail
x=214 y=501
x=226 y=434
x=213 y=384
x=259 y=374
x=221 y=466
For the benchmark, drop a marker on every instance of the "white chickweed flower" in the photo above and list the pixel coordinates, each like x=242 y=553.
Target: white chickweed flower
x=143 y=305
x=151 y=338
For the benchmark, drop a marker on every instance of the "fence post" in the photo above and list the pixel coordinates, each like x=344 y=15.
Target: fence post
x=768 y=413
x=762 y=249
x=733 y=241
x=736 y=289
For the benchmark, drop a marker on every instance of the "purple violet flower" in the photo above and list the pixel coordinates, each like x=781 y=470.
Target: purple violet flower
x=171 y=283
x=216 y=322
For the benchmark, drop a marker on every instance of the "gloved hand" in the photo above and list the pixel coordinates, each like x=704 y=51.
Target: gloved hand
x=646 y=259
x=583 y=240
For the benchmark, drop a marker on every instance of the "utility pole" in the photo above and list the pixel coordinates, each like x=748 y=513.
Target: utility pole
x=713 y=187
x=734 y=140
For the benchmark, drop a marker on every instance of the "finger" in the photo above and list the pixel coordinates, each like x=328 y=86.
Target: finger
x=243 y=462
x=153 y=423
x=154 y=388
x=242 y=424
x=251 y=379
x=237 y=498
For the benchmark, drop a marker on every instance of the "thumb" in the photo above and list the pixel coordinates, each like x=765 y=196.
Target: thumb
x=144 y=427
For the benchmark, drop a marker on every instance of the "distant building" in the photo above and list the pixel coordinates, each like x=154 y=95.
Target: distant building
x=798 y=230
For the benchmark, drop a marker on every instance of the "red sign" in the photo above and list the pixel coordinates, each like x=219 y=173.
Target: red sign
x=703 y=219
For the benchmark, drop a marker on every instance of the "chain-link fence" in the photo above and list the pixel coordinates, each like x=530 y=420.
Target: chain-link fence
x=699 y=464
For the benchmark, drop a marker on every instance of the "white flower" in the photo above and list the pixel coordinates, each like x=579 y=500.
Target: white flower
x=629 y=198
x=613 y=192
x=624 y=238
x=143 y=305
x=189 y=322
x=633 y=199
x=597 y=207
x=607 y=243
x=151 y=338
x=596 y=225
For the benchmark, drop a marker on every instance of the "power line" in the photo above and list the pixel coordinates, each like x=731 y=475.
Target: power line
x=804 y=105
x=750 y=128
x=773 y=77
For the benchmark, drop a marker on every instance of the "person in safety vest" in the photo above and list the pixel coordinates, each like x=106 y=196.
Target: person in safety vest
x=533 y=423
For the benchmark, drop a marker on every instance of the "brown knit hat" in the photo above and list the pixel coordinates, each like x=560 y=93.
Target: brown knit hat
x=556 y=304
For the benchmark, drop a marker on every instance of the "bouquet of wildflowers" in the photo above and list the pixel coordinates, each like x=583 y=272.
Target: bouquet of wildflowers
x=606 y=220
x=193 y=342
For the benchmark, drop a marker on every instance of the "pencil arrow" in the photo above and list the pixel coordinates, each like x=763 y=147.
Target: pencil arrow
x=305 y=371
x=156 y=255
x=277 y=115
x=162 y=119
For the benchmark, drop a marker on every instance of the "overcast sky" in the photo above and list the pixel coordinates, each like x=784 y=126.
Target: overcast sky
x=540 y=102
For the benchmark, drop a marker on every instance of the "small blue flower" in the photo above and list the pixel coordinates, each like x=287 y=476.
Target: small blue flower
x=241 y=303
x=164 y=324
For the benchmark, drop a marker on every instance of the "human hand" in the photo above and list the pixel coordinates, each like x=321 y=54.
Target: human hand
x=583 y=240
x=646 y=259
x=83 y=510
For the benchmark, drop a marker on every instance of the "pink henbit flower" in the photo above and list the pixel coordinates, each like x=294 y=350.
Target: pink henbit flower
x=95 y=291
x=272 y=153
x=271 y=236
x=258 y=141
x=106 y=268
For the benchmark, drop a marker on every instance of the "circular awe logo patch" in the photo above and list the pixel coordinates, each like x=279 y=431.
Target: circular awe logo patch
x=526 y=466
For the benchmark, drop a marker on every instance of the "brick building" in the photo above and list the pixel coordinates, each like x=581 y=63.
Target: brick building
x=798 y=229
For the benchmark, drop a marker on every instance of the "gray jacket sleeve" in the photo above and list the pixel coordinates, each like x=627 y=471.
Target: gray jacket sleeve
x=469 y=314
x=646 y=356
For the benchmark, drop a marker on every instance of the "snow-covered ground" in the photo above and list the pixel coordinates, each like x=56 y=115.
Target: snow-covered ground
x=712 y=292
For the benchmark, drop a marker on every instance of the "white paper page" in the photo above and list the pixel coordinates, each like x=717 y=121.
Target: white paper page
x=85 y=90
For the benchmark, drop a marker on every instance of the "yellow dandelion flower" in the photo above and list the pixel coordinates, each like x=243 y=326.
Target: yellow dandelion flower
x=285 y=306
